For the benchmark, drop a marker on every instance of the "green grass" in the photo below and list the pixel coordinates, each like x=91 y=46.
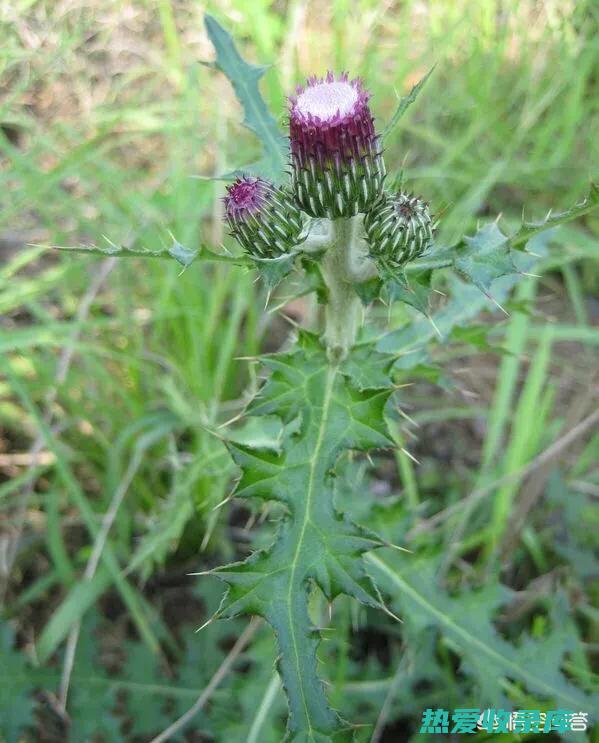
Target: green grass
x=108 y=114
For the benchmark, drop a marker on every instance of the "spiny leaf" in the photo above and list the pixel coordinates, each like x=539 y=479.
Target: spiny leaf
x=146 y=712
x=184 y=256
x=477 y=336
x=529 y=229
x=405 y=102
x=467 y=621
x=415 y=291
x=274 y=270
x=465 y=303
x=485 y=257
x=244 y=78
x=91 y=707
x=16 y=686
x=328 y=409
x=369 y=290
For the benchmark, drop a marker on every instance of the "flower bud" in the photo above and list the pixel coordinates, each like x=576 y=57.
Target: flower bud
x=399 y=228
x=262 y=217
x=337 y=166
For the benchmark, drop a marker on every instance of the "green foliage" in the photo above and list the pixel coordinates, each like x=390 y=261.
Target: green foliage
x=91 y=708
x=325 y=409
x=16 y=687
x=485 y=257
x=405 y=102
x=467 y=623
x=495 y=129
x=528 y=230
x=184 y=256
x=244 y=78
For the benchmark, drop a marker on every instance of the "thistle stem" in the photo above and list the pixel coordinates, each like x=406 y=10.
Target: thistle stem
x=343 y=264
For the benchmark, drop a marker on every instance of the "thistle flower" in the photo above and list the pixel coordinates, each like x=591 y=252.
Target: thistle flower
x=337 y=166
x=399 y=228
x=262 y=217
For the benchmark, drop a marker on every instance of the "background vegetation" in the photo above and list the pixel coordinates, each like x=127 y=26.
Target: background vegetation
x=112 y=374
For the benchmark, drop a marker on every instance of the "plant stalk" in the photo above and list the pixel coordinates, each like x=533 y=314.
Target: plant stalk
x=343 y=265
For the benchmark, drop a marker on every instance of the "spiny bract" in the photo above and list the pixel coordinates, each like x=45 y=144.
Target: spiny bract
x=337 y=166
x=263 y=218
x=399 y=228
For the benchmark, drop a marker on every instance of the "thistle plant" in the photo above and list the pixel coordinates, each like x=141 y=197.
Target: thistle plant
x=320 y=208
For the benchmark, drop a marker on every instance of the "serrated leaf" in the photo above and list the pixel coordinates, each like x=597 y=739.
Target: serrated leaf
x=184 y=256
x=244 y=78
x=528 y=230
x=484 y=257
x=467 y=621
x=16 y=687
x=145 y=711
x=273 y=270
x=405 y=102
x=369 y=290
x=477 y=336
x=415 y=291
x=329 y=410
x=91 y=706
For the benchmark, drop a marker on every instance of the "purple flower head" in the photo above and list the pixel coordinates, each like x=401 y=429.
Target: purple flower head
x=330 y=120
x=337 y=167
x=262 y=217
x=246 y=197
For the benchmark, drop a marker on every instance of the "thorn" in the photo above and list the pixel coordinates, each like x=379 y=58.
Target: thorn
x=201 y=572
x=232 y=420
x=390 y=613
x=268 y=293
x=496 y=303
x=369 y=459
x=246 y=358
x=330 y=611
x=498 y=217
x=290 y=320
x=435 y=328
x=401 y=386
x=407 y=417
x=532 y=275
x=437 y=291
x=536 y=255
x=397 y=547
x=411 y=456
x=225 y=500
x=212 y=618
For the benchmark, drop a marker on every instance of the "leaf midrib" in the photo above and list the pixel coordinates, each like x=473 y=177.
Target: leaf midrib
x=446 y=621
x=326 y=404
x=264 y=131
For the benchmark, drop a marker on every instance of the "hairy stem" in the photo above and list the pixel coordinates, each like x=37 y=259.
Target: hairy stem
x=344 y=264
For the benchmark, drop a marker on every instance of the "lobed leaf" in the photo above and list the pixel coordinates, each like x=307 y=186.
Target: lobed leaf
x=16 y=687
x=325 y=409
x=528 y=230
x=467 y=621
x=244 y=78
x=184 y=256
x=485 y=257
x=405 y=102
